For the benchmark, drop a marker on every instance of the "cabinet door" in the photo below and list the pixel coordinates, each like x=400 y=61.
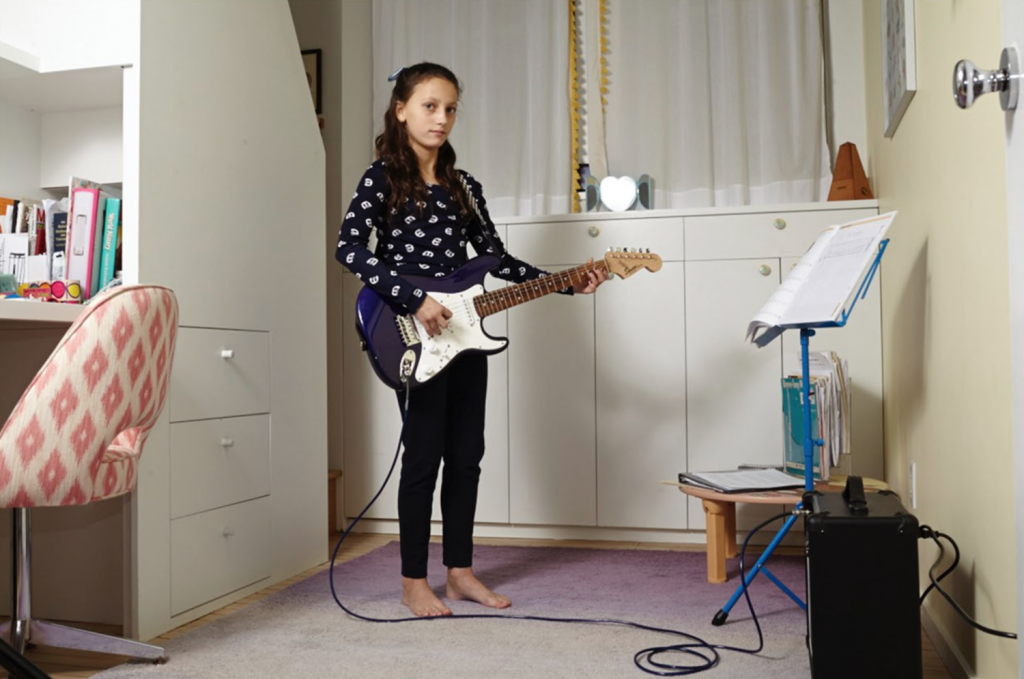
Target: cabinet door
x=641 y=399
x=859 y=342
x=373 y=423
x=734 y=399
x=552 y=467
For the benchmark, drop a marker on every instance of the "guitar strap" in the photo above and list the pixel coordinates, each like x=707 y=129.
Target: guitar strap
x=498 y=251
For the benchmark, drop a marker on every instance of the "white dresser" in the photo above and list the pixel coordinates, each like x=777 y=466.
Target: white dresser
x=600 y=398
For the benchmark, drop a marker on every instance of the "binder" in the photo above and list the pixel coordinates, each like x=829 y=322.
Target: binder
x=81 y=245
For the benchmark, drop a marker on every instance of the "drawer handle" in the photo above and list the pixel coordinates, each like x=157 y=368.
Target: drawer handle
x=766 y=271
x=779 y=223
x=594 y=232
x=227 y=443
x=228 y=532
x=227 y=353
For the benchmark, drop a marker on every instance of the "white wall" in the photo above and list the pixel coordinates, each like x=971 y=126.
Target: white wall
x=20 y=139
x=318 y=25
x=846 y=38
x=92 y=32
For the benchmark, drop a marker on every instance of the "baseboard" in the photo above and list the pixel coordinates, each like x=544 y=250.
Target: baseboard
x=538 y=532
x=951 y=656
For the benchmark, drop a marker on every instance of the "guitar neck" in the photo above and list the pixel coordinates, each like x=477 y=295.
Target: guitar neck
x=505 y=298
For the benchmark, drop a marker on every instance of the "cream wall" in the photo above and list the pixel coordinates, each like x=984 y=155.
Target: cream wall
x=945 y=319
x=318 y=26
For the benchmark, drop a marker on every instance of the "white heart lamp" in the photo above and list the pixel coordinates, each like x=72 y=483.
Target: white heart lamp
x=618 y=193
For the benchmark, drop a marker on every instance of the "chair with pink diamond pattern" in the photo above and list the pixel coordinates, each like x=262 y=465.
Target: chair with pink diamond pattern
x=76 y=435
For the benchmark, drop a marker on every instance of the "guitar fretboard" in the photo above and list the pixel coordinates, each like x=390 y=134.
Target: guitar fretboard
x=499 y=300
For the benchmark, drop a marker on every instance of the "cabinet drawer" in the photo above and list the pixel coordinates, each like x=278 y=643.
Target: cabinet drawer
x=750 y=236
x=220 y=373
x=570 y=243
x=218 y=552
x=218 y=462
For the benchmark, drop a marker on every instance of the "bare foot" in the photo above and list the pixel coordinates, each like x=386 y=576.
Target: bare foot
x=421 y=600
x=462 y=584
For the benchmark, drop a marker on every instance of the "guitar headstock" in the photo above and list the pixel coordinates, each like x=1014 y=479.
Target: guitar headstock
x=625 y=263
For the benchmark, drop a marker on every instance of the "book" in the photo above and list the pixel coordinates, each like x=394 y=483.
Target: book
x=824 y=281
x=741 y=480
x=112 y=225
x=794 y=432
x=97 y=244
x=58 y=258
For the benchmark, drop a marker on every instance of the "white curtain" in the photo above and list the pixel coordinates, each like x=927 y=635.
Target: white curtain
x=512 y=57
x=720 y=101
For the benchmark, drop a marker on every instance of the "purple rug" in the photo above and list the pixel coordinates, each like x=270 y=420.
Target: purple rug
x=301 y=632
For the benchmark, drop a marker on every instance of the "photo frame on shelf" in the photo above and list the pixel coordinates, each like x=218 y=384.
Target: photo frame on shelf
x=311 y=62
x=899 y=71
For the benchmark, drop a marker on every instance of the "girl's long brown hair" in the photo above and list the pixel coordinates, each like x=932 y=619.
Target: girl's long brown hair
x=401 y=167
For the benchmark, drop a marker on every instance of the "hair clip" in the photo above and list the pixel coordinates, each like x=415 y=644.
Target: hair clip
x=394 y=76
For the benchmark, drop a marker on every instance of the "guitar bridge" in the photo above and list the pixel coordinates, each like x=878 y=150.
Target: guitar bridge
x=407 y=330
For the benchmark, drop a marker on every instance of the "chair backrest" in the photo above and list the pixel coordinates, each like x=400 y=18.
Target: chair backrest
x=92 y=404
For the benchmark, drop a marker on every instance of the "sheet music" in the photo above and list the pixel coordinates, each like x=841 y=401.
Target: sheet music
x=746 y=479
x=837 y=273
x=819 y=287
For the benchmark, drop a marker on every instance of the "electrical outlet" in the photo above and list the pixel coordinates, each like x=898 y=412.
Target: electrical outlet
x=913 y=485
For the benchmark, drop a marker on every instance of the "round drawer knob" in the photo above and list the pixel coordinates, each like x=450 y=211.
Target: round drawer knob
x=227 y=443
x=594 y=232
x=765 y=270
x=227 y=353
x=779 y=223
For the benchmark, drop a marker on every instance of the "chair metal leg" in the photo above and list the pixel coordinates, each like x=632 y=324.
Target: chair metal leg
x=21 y=583
x=23 y=629
x=46 y=633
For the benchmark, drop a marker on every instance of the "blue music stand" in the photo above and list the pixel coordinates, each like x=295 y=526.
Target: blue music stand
x=806 y=332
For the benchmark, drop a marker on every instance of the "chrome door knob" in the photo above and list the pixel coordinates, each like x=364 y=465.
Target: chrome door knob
x=970 y=82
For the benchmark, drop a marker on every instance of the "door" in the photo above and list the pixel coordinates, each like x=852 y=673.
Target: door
x=1013 y=35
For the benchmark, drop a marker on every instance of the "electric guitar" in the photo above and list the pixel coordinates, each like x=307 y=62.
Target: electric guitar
x=403 y=355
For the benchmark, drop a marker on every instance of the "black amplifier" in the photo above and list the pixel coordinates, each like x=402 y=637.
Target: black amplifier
x=863 y=617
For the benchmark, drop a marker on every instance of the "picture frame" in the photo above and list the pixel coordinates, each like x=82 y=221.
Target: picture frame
x=311 y=60
x=899 y=70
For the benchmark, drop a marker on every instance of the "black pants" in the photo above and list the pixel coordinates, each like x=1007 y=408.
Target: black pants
x=445 y=422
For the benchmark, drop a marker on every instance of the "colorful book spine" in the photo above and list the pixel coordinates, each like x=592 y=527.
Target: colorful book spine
x=110 y=230
x=60 y=244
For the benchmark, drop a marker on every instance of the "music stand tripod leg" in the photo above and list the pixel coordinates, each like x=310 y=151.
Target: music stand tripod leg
x=809 y=442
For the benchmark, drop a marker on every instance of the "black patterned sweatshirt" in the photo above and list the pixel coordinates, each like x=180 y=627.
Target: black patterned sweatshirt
x=427 y=242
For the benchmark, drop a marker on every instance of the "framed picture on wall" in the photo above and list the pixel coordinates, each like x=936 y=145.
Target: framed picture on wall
x=311 y=62
x=899 y=73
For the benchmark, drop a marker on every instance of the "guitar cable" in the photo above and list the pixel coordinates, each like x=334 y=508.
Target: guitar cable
x=705 y=654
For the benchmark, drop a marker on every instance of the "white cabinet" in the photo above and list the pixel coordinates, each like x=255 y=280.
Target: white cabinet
x=552 y=473
x=734 y=400
x=610 y=395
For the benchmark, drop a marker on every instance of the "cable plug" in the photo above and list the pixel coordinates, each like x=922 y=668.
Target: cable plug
x=925 y=532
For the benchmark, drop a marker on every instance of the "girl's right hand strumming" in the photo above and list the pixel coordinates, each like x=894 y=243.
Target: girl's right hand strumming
x=433 y=316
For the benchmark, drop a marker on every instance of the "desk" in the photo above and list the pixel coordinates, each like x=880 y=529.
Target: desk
x=720 y=509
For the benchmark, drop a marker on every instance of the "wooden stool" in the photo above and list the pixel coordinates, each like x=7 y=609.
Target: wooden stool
x=720 y=509
x=332 y=499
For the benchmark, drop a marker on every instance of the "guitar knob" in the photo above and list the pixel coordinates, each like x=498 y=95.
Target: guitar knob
x=430 y=372
x=433 y=348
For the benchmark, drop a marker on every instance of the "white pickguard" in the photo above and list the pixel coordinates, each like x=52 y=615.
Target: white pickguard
x=464 y=331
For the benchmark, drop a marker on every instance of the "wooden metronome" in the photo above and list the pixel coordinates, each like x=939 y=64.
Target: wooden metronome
x=848 y=179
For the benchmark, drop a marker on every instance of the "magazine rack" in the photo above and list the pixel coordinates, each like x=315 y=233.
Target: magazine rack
x=806 y=332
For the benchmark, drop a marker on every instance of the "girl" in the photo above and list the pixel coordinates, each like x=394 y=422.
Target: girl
x=413 y=195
